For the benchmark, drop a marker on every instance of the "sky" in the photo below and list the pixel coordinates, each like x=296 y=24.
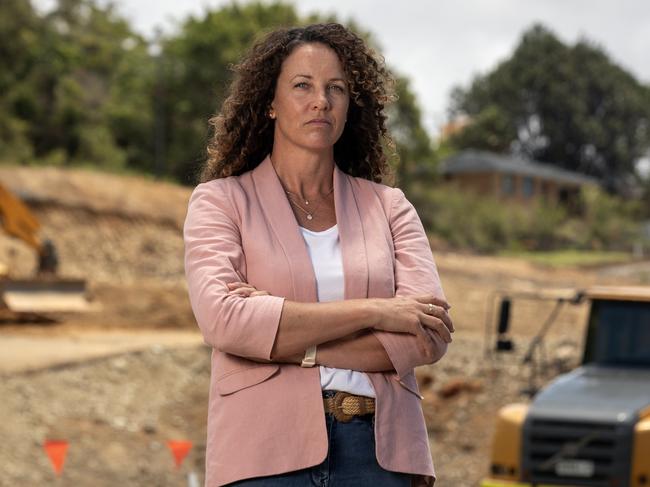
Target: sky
x=440 y=44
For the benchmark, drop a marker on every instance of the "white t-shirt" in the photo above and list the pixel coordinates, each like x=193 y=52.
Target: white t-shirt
x=325 y=252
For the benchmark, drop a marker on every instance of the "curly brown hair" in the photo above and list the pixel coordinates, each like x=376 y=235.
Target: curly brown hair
x=242 y=133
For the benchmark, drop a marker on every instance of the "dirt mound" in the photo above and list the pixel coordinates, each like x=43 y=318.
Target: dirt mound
x=122 y=234
x=106 y=228
x=98 y=193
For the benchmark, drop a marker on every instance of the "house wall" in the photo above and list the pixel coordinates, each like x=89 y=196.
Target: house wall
x=524 y=190
x=484 y=183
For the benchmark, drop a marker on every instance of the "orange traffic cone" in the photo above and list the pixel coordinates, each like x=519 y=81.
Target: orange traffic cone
x=180 y=449
x=56 y=450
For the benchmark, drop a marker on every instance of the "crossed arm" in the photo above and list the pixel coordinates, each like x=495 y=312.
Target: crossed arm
x=304 y=324
x=358 y=352
x=363 y=352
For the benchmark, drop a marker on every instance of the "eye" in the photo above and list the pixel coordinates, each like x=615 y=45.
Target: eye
x=301 y=84
x=337 y=88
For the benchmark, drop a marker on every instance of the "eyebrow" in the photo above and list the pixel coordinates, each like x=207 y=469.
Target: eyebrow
x=311 y=77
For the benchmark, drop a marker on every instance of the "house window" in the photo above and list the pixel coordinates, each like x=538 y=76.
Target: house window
x=507 y=185
x=528 y=187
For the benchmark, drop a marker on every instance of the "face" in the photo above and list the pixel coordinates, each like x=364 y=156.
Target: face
x=311 y=99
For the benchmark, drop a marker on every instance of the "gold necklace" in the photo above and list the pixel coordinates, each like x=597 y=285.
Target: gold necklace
x=310 y=214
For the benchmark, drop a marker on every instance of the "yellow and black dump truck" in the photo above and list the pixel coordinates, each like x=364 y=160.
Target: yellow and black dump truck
x=591 y=426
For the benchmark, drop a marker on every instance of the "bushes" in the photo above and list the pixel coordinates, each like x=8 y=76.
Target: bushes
x=611 y=223
x=473 y=222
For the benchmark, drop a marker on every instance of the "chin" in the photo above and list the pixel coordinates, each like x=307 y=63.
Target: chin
x=319 y=146
x=321 y=142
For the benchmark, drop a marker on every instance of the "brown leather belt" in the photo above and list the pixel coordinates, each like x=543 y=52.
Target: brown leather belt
x=344 y=406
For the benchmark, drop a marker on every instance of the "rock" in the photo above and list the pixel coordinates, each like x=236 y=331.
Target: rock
x=458 y=385
x=424 y=377
x=155 y=446
x=119 y=364
x=118 y=422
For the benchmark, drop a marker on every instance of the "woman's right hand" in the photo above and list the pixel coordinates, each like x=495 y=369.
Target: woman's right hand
x=411 y=314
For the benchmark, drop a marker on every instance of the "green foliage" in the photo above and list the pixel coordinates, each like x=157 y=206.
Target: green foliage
x=20 y=30
x=490 y=130
x=14 y=140
x=78 y=90
x=472 y=222
x=572 y=258
x=78 y=86
x=414 y=149
x=467 y=221
x=607 y=222
x=197 y=71
x=568 y=105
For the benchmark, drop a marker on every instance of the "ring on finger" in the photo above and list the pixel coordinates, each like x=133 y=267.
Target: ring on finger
x=430 y=309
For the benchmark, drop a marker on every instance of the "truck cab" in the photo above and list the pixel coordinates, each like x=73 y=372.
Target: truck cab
x=590 y=427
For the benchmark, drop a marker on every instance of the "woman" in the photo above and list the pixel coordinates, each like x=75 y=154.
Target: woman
x=313 y=283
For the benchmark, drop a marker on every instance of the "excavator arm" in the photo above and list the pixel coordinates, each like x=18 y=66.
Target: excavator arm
x=18 y=221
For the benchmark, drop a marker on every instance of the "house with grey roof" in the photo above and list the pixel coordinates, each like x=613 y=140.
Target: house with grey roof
x=513 y=178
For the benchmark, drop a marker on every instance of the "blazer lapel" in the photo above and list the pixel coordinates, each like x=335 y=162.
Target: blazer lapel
x=278 y=213
x=351 y=234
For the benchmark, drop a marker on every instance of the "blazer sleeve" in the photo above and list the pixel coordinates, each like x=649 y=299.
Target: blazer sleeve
x=214 y=257
x=415 y=274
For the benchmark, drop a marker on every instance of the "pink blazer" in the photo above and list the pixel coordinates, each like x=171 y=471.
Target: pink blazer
x=266 y=419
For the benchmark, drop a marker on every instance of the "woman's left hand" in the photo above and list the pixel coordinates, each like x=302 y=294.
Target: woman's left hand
x=244 y=289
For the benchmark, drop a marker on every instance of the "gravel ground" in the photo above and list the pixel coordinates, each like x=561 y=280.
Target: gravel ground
x=118 y=414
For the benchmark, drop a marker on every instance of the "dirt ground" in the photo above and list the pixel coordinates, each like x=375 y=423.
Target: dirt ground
x=119 y=383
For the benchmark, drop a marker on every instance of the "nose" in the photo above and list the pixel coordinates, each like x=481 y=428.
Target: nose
x=321 y=101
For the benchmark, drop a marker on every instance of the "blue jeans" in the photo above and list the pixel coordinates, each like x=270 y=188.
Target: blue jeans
x=350 y=461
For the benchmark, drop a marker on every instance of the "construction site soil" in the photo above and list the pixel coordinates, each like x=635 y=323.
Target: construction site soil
x=120 y=382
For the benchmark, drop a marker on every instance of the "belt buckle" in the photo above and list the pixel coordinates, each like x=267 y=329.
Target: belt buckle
x=339 y=397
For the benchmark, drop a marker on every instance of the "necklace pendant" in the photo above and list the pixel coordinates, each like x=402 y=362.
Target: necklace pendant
x=306 y=202
x=309 y=217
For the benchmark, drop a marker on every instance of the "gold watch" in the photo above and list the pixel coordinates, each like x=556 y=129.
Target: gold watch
x=310 y=357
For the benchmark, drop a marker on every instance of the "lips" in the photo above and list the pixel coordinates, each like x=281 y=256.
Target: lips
x=319 y=121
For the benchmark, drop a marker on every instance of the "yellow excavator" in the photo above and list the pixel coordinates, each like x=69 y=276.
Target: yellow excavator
x=45 y=292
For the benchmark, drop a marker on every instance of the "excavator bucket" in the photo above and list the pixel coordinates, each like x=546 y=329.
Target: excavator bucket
x=45 y=296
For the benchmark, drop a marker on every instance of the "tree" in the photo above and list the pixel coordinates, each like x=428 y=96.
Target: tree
x=78 y=90
x=78 y=86
x=411 y=139
x=20 y=32
x=197 y=71
x=101 y=96
x=566 y=105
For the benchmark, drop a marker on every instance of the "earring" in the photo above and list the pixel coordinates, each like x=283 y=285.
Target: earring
x=271 y=114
